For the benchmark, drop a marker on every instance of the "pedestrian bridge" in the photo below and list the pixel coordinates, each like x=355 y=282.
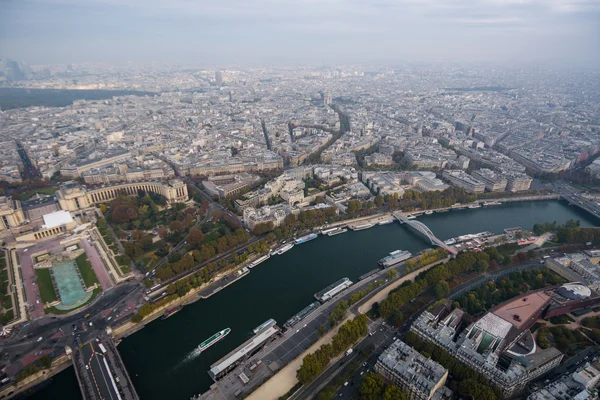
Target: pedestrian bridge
x=425 y=231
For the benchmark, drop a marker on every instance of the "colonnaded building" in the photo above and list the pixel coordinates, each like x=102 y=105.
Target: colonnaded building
x=74 y=197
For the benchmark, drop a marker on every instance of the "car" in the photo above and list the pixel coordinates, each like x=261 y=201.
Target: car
x=87 y=367
x=91 y=324
x=37 y=302
x=345 y=383
x=40 y=339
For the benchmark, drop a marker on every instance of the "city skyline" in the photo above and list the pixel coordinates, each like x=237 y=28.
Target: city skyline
x=518 y=32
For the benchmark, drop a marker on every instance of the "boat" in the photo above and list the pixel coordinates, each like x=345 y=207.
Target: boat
x=306 y=238
x=337 y=232
x=491 y=203
x=429 y=212
x=450 y=241
x=213 y=339
x=259 y=260
x=475 y=205
x=363 y=226
x=171 y=311
x=386 y=222
x=268 y=323
x=284 y=248
x=326 y=231
x=443 y=210
x=333 y=289
x=411 y=217
x=395 y=257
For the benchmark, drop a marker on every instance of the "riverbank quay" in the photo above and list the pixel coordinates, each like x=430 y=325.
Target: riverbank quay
x=284 y=380
x=206 y=290
x=59 y=364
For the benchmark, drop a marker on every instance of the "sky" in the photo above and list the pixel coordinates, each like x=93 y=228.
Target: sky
x=288 y=32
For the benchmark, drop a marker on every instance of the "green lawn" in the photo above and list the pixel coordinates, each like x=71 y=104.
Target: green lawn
x=87 y=273
x=44 y=283
x=27 y=195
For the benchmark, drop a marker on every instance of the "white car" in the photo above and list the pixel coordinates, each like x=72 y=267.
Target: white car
x=40 y=339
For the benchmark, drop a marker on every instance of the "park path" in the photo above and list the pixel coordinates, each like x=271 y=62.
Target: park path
x=97 y=264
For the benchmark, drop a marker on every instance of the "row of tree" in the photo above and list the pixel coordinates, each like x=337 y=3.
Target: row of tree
x=466 y=382
x=425 y=259
x=314 y=363
x=391 y=307
x=543 y=227
x=374 y=387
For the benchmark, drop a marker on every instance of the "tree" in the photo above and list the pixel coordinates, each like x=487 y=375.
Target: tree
x=196 y=236
x=379 y=200
x=354 y=206
x=372 y=387
x=394 y=393
x=442 y=289
x=176 y=226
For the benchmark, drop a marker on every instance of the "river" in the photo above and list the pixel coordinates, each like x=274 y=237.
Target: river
x=161 y=358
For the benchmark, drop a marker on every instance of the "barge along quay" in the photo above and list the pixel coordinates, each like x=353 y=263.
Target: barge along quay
x=267 y=324
x=306 y=238
x=334 y=231
x=363 y=226
x=471 y=236
x=305 y=312
x=395 y=257
x=259 y=260
x=284 y=248
x=333 y=289
x=171 y=311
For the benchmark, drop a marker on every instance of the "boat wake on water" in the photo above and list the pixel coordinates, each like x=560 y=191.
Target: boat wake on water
x=189 y=357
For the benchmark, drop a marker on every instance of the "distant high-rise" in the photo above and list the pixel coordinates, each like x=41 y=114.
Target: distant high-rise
x=218 y=78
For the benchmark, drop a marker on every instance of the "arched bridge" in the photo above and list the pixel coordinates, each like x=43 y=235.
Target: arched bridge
x=425 y=231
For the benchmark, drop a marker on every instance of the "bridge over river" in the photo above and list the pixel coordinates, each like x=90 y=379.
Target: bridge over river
x=424 y=230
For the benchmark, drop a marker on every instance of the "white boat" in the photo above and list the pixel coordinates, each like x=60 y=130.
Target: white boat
x=337 y=232
x=492 y=203
x=259 y=260
x=429 y=212
x=363 y=226
x=285 y=248
x=386 y=222
x=411 y=217
x=475 y=206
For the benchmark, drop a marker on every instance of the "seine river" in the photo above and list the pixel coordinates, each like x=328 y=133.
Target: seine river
x=161 y=358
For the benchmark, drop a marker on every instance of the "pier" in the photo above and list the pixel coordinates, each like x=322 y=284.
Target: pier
x=100 y=371
x=424 y=230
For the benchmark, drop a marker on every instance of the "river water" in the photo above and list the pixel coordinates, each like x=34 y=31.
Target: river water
x=161 y=358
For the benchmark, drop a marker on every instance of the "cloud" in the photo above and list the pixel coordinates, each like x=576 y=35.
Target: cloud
x=323 y=29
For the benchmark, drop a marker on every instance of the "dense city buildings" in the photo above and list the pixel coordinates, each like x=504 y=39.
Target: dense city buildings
x=210 y=172
x=499 y=344
x=420 y=377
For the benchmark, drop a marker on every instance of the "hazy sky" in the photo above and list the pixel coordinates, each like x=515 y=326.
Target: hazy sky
x=209 y=32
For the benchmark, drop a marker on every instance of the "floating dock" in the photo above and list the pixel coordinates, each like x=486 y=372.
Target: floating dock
x=245 y=350
x=333 y=289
